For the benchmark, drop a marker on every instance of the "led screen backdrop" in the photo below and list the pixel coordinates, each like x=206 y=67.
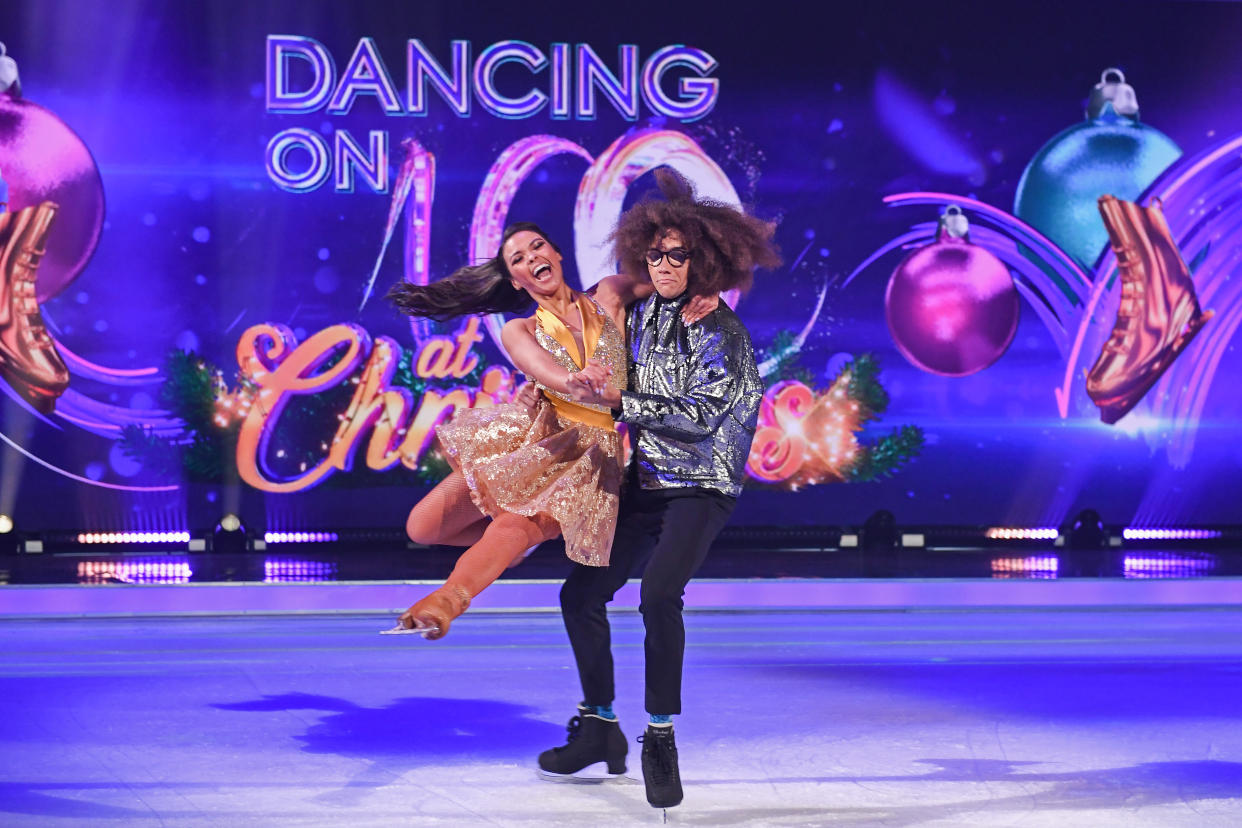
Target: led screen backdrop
x=207 y=202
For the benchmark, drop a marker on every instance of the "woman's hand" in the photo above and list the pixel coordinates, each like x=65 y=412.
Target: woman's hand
x=579 y=389
x=590 y=385
x=595 y=374
x=699 y=307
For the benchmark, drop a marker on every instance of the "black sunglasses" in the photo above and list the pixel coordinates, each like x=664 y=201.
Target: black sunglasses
x=676 y=257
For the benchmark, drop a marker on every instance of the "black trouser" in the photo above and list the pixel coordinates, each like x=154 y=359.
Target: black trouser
x=670 y=531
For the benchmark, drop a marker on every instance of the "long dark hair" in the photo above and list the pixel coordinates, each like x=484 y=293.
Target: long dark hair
x=725 y=244
x=481 y=288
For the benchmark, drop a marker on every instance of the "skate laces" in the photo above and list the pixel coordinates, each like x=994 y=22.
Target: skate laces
x=572 y=729
x=28 y=305
x=661 y=748
x=1127 y=309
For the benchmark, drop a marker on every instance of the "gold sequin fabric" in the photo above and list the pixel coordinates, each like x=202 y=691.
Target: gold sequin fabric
x=609 y=350
x=541 y=463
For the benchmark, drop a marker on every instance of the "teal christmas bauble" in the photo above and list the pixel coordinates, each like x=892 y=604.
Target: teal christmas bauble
x=1110 y=153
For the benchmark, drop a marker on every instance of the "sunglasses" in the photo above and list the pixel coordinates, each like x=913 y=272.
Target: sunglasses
x=676 y=257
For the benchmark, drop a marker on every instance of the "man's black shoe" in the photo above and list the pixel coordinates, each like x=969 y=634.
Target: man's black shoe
x=592 y=739
x=660 y=773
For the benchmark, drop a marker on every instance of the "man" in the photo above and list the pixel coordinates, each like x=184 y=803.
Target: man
x=694 y=400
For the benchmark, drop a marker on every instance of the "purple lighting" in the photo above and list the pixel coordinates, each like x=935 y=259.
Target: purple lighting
x=282 y=570
x=1157 y=565
x=300 y=537
x=139 y=571
x=134 y=537
x=1034 y=566
x=1018 y=533
x=1135 y=533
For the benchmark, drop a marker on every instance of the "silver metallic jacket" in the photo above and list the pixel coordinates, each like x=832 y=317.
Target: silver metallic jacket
x=695 y=398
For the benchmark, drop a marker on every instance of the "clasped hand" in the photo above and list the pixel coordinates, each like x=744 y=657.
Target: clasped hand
x=590 y=385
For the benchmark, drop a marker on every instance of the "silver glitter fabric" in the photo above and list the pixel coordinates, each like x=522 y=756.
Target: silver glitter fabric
x=695 y=397
x=547 y=463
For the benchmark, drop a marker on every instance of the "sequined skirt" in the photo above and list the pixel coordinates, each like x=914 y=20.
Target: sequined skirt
x=537 y=463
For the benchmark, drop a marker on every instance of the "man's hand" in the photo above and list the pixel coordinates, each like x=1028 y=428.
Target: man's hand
x=528 y=395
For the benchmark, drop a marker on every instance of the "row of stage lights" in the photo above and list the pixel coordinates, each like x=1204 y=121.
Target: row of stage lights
x=300 y=537
x=1129 y=533
x=1136 y=533
x=164 y=571
x=134 y=537
x=292 y=570
x=1022 y=533
x=184 y=537
x=1137 y=566
x=230 y=535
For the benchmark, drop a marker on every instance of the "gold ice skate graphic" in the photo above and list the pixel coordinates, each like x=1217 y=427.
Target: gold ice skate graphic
x=29 y=361
x=1159 y=313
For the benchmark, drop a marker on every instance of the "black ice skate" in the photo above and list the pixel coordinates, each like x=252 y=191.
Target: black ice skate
x=660 y=772
x=592 y=739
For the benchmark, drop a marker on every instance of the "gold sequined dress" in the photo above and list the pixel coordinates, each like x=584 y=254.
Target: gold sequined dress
x=564 y=459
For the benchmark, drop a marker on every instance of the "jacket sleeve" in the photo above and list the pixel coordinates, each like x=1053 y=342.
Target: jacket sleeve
x=705 y=400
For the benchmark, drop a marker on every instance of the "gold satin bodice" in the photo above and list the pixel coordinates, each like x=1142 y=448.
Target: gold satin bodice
x=602 y=342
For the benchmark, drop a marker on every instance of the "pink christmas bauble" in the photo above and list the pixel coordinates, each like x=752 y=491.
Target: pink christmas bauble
x=951 y=307
x=41 y=159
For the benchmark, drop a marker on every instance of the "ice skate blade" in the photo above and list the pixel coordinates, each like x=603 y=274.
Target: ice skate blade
x=1113 y=410
x=400 y=630
x=590 y=775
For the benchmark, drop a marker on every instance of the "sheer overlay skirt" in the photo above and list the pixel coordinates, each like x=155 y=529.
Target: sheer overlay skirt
x=538 y=463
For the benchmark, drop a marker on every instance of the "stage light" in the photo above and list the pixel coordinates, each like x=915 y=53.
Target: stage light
x=133 y=537
x=1023 y=533
x=229 y=538
x=6 y=524
x=879 y=533
x=878 y=541
x=1088 y=548
x=300 y=537
x=1086 y=531
x=1139 y=533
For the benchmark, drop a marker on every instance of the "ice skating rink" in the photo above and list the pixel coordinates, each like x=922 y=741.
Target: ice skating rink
x=1065 y=716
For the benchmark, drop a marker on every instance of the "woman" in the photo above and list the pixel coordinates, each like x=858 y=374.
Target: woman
x=522 y=474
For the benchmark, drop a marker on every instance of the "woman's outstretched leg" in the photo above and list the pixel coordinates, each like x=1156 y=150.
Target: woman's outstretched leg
x=503 y=541
x=446 y=515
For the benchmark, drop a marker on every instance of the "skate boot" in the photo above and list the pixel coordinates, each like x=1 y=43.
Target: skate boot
x=660 y=772
x=29 y=360
x=438 y=610
x=1159 y=313
x=592 y=739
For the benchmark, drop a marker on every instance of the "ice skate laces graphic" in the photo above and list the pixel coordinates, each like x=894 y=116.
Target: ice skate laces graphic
x=1158 y=314
x=29 y=361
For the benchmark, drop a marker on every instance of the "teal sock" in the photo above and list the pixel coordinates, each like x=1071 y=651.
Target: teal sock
x=661 y=720
x=604 y=711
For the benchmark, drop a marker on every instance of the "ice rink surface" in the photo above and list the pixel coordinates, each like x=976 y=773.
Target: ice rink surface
x=977 y=717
